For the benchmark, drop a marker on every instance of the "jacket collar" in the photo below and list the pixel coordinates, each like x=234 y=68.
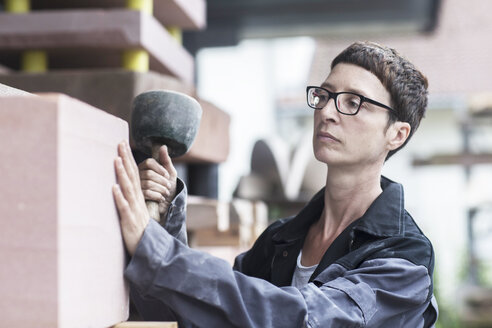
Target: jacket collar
x=382 y=219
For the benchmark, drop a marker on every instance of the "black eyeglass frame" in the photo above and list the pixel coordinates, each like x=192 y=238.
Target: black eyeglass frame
x=334 y=95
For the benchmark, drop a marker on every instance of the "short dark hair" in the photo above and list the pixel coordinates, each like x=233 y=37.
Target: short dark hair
x=406 y=85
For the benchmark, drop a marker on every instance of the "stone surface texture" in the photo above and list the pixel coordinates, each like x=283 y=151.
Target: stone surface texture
x=5 y=90
x=93 y=38
x=212 y=141
x=187 y=14
x=61 y=249
x=113 y=91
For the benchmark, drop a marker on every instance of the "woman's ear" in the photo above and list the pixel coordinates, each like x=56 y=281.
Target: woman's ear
x=397 y=134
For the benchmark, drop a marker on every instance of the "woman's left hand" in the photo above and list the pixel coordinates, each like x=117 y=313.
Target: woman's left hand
x=129 y=199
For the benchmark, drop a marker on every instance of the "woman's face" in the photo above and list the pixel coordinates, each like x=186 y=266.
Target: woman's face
x=352 y=140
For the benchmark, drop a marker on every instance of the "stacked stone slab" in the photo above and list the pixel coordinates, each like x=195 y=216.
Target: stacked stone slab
x=61 y=249
x=60 y=245
x=86 y=43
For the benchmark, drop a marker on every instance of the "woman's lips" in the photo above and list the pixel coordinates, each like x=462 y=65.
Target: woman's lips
x=325 y=136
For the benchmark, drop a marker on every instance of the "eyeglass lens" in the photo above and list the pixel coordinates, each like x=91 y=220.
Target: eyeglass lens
x=346 y=102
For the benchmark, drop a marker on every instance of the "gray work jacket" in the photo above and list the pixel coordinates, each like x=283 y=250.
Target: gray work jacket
x=377 y=273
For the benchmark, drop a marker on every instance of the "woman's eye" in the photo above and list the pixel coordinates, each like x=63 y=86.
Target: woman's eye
x=354 y=104
x=351 y=103
x=318 y=98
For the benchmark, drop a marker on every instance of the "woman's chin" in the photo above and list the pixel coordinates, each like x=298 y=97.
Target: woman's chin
x=324 y=157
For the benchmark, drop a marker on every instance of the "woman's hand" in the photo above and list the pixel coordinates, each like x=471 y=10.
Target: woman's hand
x=159 y=180
x=129 y=199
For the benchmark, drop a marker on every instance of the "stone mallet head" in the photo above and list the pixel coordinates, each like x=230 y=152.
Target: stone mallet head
x=164 y=117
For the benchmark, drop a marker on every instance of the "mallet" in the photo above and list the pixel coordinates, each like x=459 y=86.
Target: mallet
x=164 y=117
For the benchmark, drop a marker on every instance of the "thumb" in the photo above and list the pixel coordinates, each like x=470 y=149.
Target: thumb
x=165 y=159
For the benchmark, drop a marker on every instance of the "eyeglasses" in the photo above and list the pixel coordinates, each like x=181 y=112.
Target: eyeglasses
x=347 y=103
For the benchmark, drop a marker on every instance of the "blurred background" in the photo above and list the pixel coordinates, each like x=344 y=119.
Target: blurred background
x=282 y=46
x=266 y=52
x=252 y=60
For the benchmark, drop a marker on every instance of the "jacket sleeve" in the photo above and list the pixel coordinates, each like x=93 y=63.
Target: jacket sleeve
x=383 y=292
x=175 y=220
x=175 y=224
x=205 y=291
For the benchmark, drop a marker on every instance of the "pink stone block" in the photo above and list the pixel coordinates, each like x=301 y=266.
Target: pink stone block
x=61 y=252
x=212 y=140
x=93 y=38
x=5 y=90
x=115 y=97
x=187 y=14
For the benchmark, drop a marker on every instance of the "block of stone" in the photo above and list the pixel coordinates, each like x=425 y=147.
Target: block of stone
x=114 y=90
x=204 y=213
x=111 y=90
x=187 y=14
x=93 y=38
x=5 y=90
x=246 y=221
x=212 y=141
x=61 y=249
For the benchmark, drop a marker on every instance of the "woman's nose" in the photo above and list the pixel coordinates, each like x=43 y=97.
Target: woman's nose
x=329 y=111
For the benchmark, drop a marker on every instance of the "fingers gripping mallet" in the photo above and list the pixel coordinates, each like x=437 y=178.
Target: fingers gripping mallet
x=168 y=118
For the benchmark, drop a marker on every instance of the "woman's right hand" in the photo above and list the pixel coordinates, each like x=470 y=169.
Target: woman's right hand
x=158 y=180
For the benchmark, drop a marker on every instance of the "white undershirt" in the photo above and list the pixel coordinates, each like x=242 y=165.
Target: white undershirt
x=301 y=273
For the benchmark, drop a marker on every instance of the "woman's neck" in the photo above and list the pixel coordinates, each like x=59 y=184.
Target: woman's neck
x=347 y=197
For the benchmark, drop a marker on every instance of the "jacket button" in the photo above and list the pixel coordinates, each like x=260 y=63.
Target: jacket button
x=285 y=253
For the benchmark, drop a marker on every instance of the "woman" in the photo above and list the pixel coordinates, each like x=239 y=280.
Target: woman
x=353 y=257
